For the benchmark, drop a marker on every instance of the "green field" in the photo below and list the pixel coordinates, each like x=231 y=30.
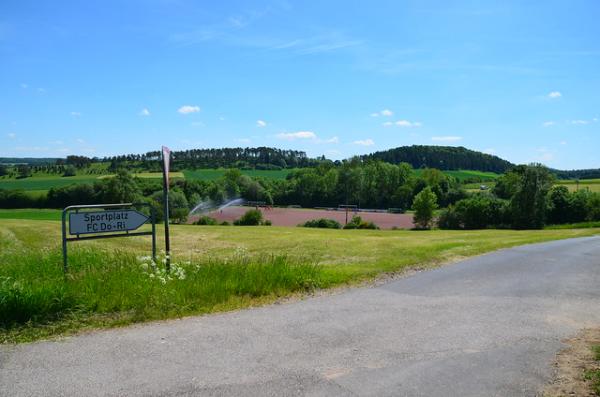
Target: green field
x=213 y=174
x=43 y=183
x=31 y=214
x=461 y=175
x=592 y=185
x=224 y=268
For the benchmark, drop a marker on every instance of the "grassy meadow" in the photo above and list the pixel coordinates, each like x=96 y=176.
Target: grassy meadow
x=216 y=268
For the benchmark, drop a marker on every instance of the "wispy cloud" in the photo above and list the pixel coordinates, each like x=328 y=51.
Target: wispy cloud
x=447 y=138
x=292 y=136
x=187 y=109
x=578 y=122
x=24 y=86
x=384 y=112
x=364 y=142
x=334 y=139
x=403 y=124
x=243 y=140
x=548 y=123
x=144 y=112
x=554 y=95
x=197 y=124
x=76 y=114
x=11 y=135
x=261 y=123
x=408 y=124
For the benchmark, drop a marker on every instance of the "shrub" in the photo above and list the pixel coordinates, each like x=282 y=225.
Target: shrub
x=225 y=223
x=70 y=171
x=206 y=220
x=267 y=222
x=424 y=205
x=477 y=212
x=322 y=223
x=358 y=223
x=250 y=218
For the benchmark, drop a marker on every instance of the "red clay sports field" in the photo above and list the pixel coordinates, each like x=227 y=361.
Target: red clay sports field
x=295 y=216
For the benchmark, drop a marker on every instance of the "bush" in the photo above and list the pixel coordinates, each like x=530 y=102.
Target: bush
x=477 y=212
x=250 y=218
x=70 y=171
x=322 y=223
x=267 y=222
x=358 y=223
x=424 y=205
x=206 y=220
x=225 y=223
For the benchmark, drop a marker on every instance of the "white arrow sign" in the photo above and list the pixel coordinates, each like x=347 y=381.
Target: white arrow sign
x=105 y=221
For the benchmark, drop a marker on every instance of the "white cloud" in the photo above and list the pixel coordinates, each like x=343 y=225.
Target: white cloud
x=563 y=142
x=79 y=140
x=11 y=135
x=261 y=123
x=595 y=119
x=243 y=140
x=221 y=118
x=408 y=124
x=291 y=136
x=387 y=124
x=334 y=139
x=364 y=142
x=579 y=122
x=548 y=123
x=384 y=112
x=187 y=109
x=554 y=95
x=446 y=138
x=75 y=114
x=144 y=112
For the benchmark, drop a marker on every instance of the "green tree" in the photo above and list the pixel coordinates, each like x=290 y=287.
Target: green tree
x=122 y=188
x=23 y=171
x=424 y=206
x=529 y=203
x=559 y=205
x=3 y=170
x=70 y=171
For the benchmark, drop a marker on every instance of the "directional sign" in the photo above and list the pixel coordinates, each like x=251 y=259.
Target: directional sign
x=105 y=221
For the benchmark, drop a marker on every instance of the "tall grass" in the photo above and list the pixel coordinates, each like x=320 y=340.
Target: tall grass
x=35 y=293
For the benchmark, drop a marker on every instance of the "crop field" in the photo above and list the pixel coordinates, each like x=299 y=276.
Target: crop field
x=212 y=174
x=42 y=183
x=216 y=268
x=592 y=185
x=461 y=175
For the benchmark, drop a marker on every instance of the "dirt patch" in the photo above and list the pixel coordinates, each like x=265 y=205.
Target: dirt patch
x=295 y=216
x=571 y=364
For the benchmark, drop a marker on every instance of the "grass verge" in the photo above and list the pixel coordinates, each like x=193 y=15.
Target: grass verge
x=114 y=288
x=593 y=375
x=225 y=268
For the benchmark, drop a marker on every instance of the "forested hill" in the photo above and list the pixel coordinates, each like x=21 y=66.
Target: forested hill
x=256 y=158
x=443 y=158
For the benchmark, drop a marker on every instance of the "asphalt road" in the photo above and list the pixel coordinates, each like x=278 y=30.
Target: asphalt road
x=488 y=326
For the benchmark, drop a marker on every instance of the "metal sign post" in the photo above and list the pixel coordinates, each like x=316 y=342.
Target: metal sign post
x=113 y=220
x=166 y=157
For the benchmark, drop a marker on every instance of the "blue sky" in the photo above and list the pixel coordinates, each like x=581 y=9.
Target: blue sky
x=517 y=79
